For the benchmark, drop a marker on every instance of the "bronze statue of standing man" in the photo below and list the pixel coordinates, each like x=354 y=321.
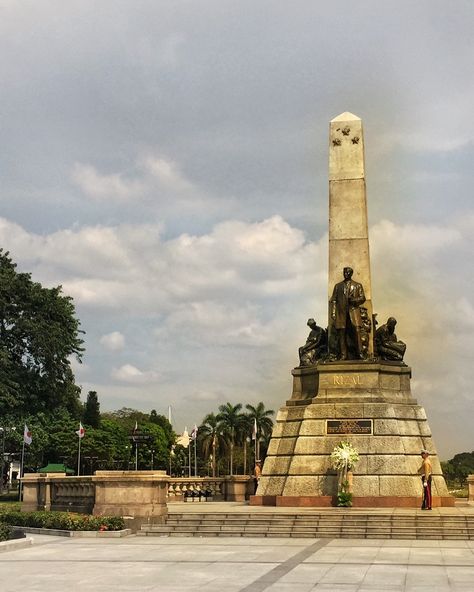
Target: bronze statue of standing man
x=346 y=299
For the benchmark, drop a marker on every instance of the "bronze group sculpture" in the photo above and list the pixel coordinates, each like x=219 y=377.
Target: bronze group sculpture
x=316 y=345
x=349 y=334
x=386 y=343
x=346 y=315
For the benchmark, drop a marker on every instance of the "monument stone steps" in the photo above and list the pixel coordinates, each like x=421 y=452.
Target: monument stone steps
x=320 y=524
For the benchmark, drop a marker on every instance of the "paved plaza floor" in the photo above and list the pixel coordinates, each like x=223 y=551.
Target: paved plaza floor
x=237 y=564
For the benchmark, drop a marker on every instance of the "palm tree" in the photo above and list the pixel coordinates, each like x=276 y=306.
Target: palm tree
x=230 y=422
x=260 y=417
x=210 y=438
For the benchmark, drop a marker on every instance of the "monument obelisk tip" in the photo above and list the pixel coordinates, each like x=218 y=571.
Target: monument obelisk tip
x=348 y=228
x=346 y=116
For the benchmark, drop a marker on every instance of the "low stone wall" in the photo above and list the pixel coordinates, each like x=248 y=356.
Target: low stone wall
x=141 y=497
x=138 y=496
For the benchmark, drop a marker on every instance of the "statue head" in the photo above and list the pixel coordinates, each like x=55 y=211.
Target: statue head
x=347 y=271
x=391 y=322
x=311 y=323
x=425 y=454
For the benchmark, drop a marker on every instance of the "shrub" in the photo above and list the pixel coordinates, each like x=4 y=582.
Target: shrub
x=62 y=520
x=344 y=499
x=5 y=531
x=344 y=496
x=9 y=506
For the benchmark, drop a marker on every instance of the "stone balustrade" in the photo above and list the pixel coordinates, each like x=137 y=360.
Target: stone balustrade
x=209 y=488
x=231 y=488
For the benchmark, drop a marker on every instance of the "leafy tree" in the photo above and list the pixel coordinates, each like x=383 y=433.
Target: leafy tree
x=459 y=467
x=165 y=425
x=38 y=334
x=159 y=445
x=179 y=460
x=91 y=416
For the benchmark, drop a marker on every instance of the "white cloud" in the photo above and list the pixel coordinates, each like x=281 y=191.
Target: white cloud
x=114 y=341
x=166 y=172
x=131 y=374
x=151 y=174
x=99 y=186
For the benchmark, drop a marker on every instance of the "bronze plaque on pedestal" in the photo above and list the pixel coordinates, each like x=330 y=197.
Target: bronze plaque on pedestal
x=348 y=426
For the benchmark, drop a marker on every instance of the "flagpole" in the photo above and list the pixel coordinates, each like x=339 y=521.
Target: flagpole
x=21 y=468
x=79 y=456
x=189 y=459
x=136 y=456
x=195 y=458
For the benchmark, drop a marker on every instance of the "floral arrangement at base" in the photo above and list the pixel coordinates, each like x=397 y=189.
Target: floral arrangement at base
x=344 y=457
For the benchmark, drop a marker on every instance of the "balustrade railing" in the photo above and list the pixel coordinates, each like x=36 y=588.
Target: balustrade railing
x=190 y=488
x=73 y=492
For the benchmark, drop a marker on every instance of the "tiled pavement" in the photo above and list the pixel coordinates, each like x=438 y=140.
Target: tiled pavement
x=237 y=564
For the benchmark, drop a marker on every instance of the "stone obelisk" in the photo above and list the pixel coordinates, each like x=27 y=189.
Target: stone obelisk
x=366 y=402
x=348 y=227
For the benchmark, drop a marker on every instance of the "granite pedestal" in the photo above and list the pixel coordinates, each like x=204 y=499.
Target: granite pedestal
x=367 y=404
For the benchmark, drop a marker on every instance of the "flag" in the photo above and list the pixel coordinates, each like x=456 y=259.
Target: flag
x=135 y=430
x=254 y=431
x=194 y=433
x=81 y=431
x=27 y=438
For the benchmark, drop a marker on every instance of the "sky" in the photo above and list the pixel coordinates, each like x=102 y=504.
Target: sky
x=166 y=163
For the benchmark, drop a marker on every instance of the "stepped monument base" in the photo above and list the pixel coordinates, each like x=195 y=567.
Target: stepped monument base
x=369 y=405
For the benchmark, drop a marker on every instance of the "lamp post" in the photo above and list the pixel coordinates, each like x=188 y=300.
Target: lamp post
x=128 y=450
x=152 y=458
x=214 y=444
x=3 y=431
x=246 y=443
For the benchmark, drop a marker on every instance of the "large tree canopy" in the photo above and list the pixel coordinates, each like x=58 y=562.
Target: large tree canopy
x=38 y=334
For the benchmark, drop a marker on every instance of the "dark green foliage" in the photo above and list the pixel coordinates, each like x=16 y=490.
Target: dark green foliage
x=38 y=334
x=344 y=497
x=91 y=416
x=157 y=426
x=164 y=424
x=62 y=520
x=5 y=531
x=458 y=468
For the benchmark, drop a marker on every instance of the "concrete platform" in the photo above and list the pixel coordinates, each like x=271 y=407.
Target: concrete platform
x=55 y=564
